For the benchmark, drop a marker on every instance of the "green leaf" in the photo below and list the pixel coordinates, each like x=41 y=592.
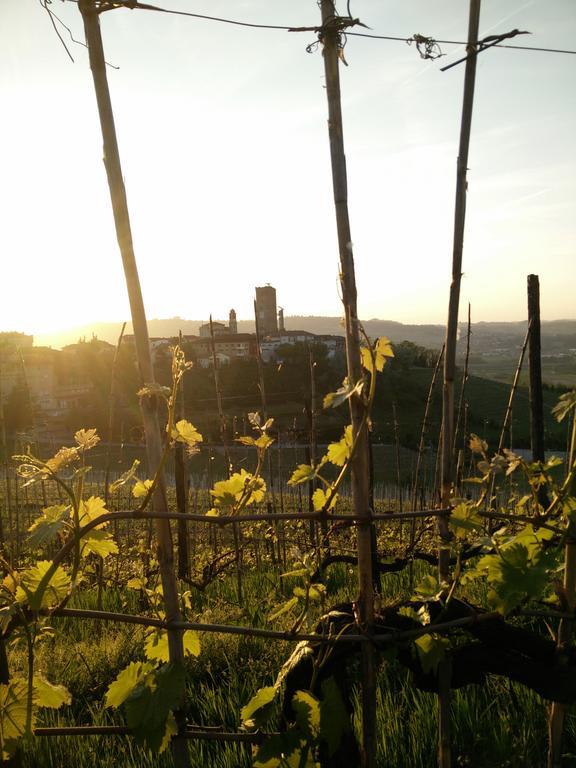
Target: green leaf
x=260 y=707
x=334 y=399
x=154 y=390
x=383 y=350
x=254 y=419
x=92 y=509
x=156 y=645
x=519 y=573
x=126 y=682
x=125 y=477
x=569 y=508
x=565 y=404
x=295 y=573
x=366 y=359
x=53 y=593
x=264 y=442
x=137 y=582
x=377 y=355
x=284 y=608
x=428 y=587
x=334 y=718
x=465 y=519
x=49 y=695
x=316 y=591
x=431 y=650
x=338 y=453
x=191 y=641
x=227 y=493
x=13 y=715
x=320 y=497
x=98 y=543
x=170 y=731
x=185 y=432
x=531 y=538
x=283 y=750
x=149 y=705
x=307 y=709
x=46 y=527
x=63 y=458
x=302 y=474
x=302 y=650
x=86 y=439
x=246 y=440
x=140 y=488
x=477 y=445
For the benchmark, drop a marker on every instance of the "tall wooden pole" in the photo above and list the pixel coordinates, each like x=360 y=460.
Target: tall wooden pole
x=112 y=406
x=535 y=367
x=222 y=420
x=444 y=747
x=460 y=410
x=535 y=380
x=182 y=483
x=331 y=40
x=90 y=17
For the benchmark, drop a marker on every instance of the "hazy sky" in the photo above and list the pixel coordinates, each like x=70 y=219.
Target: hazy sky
x=223 y=138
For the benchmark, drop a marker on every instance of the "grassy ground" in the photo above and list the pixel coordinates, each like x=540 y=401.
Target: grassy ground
x=500 y=724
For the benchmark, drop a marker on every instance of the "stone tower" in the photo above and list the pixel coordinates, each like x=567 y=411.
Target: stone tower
x=266 y=310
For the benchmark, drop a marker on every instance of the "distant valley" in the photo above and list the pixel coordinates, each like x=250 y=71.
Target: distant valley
x=495 y=346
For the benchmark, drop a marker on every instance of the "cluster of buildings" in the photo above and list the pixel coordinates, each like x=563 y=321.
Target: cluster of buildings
x=222 y=341
x=46 y=385
x=41 y=386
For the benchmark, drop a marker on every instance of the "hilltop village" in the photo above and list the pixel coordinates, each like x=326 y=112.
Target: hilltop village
x=50 y=392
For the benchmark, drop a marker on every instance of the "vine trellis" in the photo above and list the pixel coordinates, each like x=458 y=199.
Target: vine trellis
x=312 y=686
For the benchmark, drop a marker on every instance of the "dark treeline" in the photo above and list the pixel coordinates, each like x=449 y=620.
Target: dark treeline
x=404 y=384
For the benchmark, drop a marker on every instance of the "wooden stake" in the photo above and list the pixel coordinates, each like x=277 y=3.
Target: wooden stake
x=535 y=380
x=181 y=483
x=236 y=528
x=424 y=430
x=112 y=415
x=462 y=388
x=444 y=750
x=535 y=368
x=566 y=627
x=513 y=389
x=90 y=18
x=331 y=40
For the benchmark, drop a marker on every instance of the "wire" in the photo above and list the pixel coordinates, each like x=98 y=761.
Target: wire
x=460 y=42
x=134 y=5
x=52 y=16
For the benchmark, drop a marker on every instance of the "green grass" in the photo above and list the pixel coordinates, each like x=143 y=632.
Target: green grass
x=499 y=724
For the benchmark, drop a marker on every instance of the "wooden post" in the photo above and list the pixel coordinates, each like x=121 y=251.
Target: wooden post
x=462 y=388
x=535 y=380
x=424 y=430
x=261 y=385
x=535 y=367
x=3 y=450
x=235 y=528
x=514 y=387
x=111 y=415
x=565 y=630
x=331 y=40
x=444 y=747
x=182 y=485
x=90 y=18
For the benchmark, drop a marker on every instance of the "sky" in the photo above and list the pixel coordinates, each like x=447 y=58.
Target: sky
x=223 y=138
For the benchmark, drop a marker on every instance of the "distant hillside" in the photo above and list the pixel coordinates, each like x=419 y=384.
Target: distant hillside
x=557 y=336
